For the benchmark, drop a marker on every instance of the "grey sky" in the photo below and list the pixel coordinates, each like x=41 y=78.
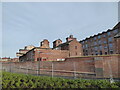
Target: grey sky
x=29 y=23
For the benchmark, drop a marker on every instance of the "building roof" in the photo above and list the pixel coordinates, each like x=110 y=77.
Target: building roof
x=66 y=43
x=41 y=48
x=57 y=40
x=6 y=58
x=117 y=36
x=115 y=27
x=23 y=50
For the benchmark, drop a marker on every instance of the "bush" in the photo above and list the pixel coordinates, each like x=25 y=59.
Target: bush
x=13 y=80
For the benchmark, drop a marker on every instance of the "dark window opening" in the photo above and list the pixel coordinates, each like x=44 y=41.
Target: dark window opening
x=100 y=52
x=44 y=59
x=105 y=53
x=76 y=53
x=38 y=59
x=111 y=52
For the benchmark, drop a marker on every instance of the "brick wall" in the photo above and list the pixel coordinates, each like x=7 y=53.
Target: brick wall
x=75 y=48
x=97 y=66
x=106 y=66
x=51 y=55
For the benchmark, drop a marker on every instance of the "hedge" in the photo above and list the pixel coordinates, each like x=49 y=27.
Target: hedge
x=14 y=80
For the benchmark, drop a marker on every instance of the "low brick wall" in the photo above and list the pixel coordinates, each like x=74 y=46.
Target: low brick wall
x=91 y=66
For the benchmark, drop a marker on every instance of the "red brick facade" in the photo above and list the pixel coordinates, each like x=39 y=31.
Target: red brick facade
x=50 y=55
x=72 y=45
x=60 y=51
x=117 y=44
x=102 y=43
x=57 y=43
x=44 y=44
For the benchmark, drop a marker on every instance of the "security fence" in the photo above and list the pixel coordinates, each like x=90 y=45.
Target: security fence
x=79 y=67
x=50 y=68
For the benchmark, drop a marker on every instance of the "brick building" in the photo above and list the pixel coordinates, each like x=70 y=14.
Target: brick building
x=103 y=43
x=117 y=43
x=45 y=44
x=71 y=44
x=59 y=52
x=5 y=59
x=8 y=59
x=14 y=59
x=24 y=51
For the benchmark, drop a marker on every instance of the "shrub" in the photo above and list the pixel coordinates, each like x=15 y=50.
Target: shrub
x=13 y=80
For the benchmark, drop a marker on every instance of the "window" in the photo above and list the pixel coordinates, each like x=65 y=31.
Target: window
x=105 y=53
x=86 y=45
x=115 y=31
x=99 y=37
x=44 y=59
x=91 y=50
x=94 y=38
x=104 y=42
x=76 y=53
x=108 y=33
x=111 y=51
x=104 y=35
x=110 y=45
x=82 y=42
x=38 y=59
x=100 y=47
x=110 y=39
x=83 y=46
x=86 y=51
x=96 y=53
x=99 y=41
x=105 y=47
x=95 y=43
x=96 y=48
x=100 y=52
x=83 y=50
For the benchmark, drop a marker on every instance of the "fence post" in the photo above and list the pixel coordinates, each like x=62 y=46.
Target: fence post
x=74 y=70
x=52 y=70
x=27 y=69
x=10 y=66
x=110 y=71
x=38 y=68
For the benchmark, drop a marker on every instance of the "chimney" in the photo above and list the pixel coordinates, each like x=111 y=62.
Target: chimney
x=56 y=43
x=44 y=44
x=70 y=38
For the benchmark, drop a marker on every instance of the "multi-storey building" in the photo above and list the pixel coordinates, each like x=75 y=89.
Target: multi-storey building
x=71 y=44
x=103 y=43
x=60 y=51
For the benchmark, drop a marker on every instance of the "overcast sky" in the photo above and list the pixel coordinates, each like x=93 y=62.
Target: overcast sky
x=30 y=23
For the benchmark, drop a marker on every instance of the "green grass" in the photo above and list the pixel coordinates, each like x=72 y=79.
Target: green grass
x=13 y=80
